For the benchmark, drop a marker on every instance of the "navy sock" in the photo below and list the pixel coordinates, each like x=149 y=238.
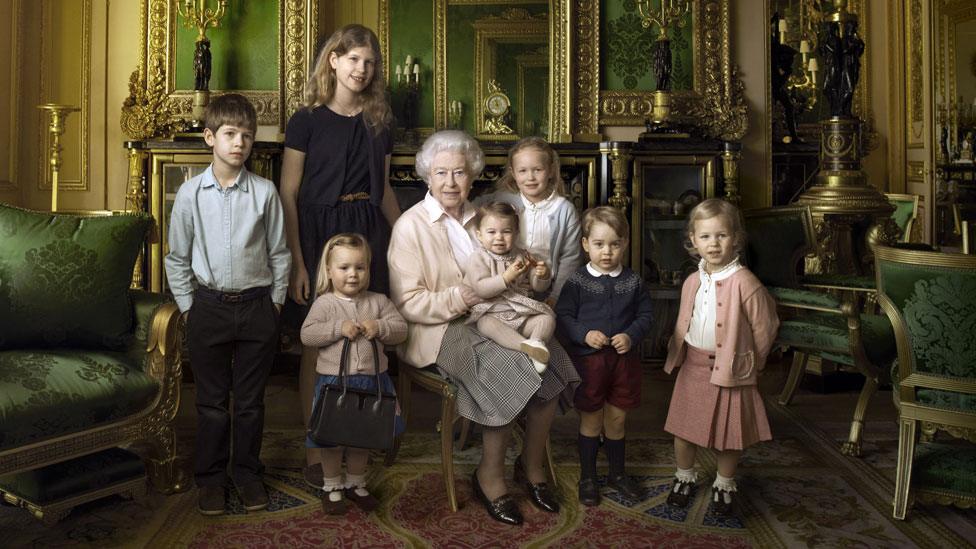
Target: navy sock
x=588 y=447
x=615 y=455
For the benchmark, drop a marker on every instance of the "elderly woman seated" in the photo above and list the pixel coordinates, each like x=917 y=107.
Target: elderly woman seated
x=430 y=243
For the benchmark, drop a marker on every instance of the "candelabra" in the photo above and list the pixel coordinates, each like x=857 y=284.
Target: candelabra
x=408 y=89
x=58 y=114
x=670 y=13
x=196 y=15
x=455 y=114
x=806 y=16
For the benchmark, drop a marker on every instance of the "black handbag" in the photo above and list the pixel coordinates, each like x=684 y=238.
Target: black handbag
x=346 y=416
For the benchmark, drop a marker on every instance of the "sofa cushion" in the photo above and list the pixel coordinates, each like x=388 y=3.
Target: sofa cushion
x=945 y=466
x=64 y=279
x=827 y=335
x=74 y=477
x=47 y=393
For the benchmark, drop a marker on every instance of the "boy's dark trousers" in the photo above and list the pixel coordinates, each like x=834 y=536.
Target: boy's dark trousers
x=232 y=339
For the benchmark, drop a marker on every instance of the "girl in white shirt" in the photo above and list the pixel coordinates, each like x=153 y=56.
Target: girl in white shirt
x=549 y=225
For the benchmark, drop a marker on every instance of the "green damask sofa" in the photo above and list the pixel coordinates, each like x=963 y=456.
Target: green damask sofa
x=86 y=363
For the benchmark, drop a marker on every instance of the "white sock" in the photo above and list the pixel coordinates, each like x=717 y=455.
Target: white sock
x=358 y=482
x=725 y=486
x=333 y=486
x=686 y=475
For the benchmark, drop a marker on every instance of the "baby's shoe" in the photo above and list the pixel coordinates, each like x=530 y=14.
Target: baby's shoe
x=683 y=487
x=538 y=352
x=723 y=495
x=333 y=501
x=356 y=492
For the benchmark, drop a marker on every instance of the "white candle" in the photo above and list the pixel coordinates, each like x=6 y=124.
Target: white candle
x=812 y=66
x=804 y=46
x=416 y=71
x=409 y=60
x=399 y=72
x=782 y=25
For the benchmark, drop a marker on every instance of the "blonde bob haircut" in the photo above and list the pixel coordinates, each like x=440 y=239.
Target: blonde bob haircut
x=714 y=207
x=354 y=241
x=507 y=181
x=498 y=210
x=321 y=86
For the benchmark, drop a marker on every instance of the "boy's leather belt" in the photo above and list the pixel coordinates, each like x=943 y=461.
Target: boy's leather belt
x=234 y=297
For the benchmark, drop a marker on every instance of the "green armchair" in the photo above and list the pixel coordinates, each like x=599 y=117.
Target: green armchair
x=829 y=325
x=86 y=363
x=931 y=300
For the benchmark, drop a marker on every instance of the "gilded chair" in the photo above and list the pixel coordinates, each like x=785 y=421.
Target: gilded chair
x=968 y=237
x=429 y=378
x=905 y=214
x=931 y=301
x=829 y=325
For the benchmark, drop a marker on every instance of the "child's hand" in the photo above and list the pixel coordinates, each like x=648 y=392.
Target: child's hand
x=620 y=342
x=551 y=301
x=597 y=339
x=515 y=270
x=370 y=328
x=541 y=271
x=351 y=329
x=470 y=298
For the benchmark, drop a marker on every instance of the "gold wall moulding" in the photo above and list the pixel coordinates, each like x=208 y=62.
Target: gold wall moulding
x=716 y=104
x=154 y=102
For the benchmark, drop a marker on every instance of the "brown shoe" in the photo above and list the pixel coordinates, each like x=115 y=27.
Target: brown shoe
x=339 y=507
x=211 y=500
x=367 y=503
x=254 y=495
x=313 y=475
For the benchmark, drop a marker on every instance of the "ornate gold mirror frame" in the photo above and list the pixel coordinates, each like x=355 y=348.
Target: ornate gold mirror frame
x=154 y=101
x=716 y=104
x=950 y=15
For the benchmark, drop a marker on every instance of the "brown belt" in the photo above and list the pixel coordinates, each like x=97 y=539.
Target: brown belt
x=354 y=196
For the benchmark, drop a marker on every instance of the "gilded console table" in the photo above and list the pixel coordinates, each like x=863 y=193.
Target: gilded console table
x=157 y=168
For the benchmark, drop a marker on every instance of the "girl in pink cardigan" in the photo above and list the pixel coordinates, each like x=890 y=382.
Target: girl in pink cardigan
x=726 y=326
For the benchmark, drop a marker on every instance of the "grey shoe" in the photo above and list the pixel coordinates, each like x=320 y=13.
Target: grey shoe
x=254 y=495
x=211 y=500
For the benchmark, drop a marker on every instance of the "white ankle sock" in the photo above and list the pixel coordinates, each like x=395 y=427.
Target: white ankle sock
x=333 y=486
x=358 y=482
x=686 y=475
x=725 y=486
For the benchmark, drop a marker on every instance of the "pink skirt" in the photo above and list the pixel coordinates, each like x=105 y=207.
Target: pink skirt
x=723 y=418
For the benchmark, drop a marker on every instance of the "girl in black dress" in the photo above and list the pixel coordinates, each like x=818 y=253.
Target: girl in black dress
x=335 y=175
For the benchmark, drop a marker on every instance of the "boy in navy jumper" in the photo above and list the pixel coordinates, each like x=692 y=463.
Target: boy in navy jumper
x=603 y=313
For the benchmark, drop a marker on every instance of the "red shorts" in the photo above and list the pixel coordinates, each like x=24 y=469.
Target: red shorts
x=608 y=377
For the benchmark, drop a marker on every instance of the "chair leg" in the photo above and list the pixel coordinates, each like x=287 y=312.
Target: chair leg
x=797 y=369
x=403 y=396
x=853 y=445
x=447 y=449
x=903 y=474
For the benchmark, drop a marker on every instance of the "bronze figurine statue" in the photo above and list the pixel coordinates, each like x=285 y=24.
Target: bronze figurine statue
x=662 y=64
x=853 y=50
x=832 y=55
x=201 y=65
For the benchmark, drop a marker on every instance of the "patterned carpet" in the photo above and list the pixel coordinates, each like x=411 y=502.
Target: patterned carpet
x=797 y=491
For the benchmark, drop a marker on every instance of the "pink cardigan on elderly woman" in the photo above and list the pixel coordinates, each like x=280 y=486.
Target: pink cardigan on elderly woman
x=745 y=328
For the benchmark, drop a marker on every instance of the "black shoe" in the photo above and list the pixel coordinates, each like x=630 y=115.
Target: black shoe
x=539 y=494
x=719 y=504
x=626 y=486
x=367 y=503
x=211 y=500
x=502 y=508
x=589 y=492
x=254 y=495
x=313 y=475
x=680 y=493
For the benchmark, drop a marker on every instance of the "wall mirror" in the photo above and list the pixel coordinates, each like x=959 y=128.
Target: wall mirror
x=610 y=47
x=269 y=68
x=955 y=68
x=515 y=43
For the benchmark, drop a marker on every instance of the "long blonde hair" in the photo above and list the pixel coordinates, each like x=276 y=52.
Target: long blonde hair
x=355 y=241
x=321 y=86
x=507 y=181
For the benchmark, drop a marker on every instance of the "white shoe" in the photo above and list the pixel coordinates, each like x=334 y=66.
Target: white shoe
x=540 y=367
x=537 y=351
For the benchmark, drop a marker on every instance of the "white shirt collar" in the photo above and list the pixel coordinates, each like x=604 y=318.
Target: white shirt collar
x=541 y=205
x=613 y=274
x=720 y=274
x=435 y=211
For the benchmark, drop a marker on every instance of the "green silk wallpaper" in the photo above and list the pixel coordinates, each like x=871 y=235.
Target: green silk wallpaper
x=625 y=49
x=244 y=48
x=411 y=32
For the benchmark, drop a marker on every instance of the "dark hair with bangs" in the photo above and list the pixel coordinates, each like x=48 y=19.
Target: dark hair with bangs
x=230 y=109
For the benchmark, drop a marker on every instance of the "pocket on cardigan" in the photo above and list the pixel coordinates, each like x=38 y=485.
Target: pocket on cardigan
x=743 y=365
